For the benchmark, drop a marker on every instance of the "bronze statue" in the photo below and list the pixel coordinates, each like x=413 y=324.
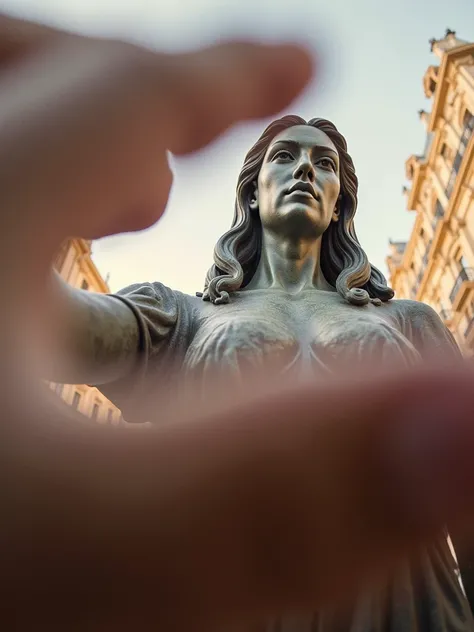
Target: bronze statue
x=289 y=281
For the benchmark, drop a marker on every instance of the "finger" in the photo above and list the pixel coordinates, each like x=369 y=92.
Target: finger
x=19 y=38
x=344 y=481
x=201 y=94
x=281 y=504
x=185 y=101
x=95 y=130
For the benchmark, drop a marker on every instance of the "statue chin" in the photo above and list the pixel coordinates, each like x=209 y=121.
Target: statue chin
x=298 y=221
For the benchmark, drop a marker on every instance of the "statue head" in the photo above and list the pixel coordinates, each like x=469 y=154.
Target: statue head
x=260 y=203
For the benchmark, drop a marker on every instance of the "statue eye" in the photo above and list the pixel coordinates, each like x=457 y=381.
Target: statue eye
x=326 y=163
x=283 y=155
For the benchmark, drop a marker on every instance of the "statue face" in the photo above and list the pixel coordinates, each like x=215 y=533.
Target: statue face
x=298 y=184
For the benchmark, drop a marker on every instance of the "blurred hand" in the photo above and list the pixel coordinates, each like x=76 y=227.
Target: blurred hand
x=273 y=500
x=91 y=120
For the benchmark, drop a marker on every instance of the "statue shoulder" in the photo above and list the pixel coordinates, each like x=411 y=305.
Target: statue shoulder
x=155 y=294
x=421 y=324
x=159 y=307
x=415 y=311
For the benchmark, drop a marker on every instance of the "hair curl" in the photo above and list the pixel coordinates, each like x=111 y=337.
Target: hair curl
x=344 y=263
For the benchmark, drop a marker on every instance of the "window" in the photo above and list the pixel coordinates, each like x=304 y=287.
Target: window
x=462 y=261
x=110 y=415
x=439 y=210
x=95 y=412
x=84 y=285
x=76 y=400
x=467 y=118
x=444 y=151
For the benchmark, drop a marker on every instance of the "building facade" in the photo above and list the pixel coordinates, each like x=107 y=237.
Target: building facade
x=74 y=264
x=436 y=264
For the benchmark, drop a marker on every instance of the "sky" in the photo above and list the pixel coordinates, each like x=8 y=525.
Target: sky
x=372 y=55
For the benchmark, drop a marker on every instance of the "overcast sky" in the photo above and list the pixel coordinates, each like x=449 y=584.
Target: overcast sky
x=373 y=54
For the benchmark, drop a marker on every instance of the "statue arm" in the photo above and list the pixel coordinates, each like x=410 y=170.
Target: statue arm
x=95 y=337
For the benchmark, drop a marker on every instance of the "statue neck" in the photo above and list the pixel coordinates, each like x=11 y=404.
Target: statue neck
x=289 y=264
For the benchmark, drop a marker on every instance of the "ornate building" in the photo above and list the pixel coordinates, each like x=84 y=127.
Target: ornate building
x=436 y=264
x=75 y=265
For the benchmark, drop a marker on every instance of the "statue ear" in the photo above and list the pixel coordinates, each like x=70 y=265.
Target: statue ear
x=254 y=198
x=337 y=210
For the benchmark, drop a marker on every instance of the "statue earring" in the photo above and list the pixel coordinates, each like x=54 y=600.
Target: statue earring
x=253 y=204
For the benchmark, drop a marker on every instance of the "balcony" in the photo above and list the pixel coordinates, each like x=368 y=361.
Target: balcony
x=462 y=285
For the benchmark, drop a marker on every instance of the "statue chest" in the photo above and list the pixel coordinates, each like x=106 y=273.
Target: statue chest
x=313 y=330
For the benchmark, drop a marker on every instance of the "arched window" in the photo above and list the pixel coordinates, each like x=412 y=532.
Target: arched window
x=95 y=412
x=76 y=400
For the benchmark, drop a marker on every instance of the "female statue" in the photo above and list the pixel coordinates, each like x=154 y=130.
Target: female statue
x=290 y=282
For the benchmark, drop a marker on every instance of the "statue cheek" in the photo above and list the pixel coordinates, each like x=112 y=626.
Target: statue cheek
x=332 y=193
x=269 y=185
x=267 y=193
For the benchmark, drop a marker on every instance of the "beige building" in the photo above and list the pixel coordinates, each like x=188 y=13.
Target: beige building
x=75 y=265
x=436 y=264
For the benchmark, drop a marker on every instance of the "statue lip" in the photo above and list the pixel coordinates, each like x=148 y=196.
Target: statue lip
x=304 y=187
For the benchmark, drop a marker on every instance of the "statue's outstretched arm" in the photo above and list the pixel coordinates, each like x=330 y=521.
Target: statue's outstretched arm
x=95 y=338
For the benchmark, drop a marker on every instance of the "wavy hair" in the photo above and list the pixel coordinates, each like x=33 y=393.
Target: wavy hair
x=344 y=263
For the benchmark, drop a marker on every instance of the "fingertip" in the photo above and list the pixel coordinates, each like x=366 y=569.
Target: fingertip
x=290 y=67
x=233 y=82
x=294 y=59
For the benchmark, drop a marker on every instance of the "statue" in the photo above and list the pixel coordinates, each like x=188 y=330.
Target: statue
x=289 y=280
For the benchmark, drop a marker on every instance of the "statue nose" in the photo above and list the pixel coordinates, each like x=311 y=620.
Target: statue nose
x=304 y=171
